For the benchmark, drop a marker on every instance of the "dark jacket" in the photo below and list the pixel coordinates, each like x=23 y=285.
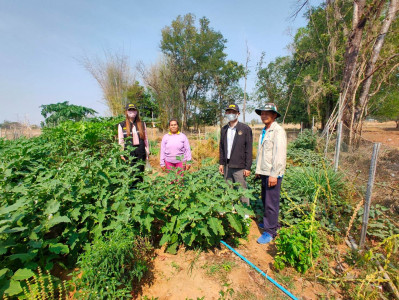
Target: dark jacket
x=241 y=151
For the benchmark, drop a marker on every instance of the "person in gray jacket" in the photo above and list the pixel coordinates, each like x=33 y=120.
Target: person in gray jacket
x=235 y=149
x=270 y=167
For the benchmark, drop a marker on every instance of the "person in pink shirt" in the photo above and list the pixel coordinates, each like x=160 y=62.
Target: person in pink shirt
x=175 y=149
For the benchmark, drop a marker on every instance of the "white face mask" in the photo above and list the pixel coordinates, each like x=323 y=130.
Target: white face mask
x=231 y=117
x=132 y=113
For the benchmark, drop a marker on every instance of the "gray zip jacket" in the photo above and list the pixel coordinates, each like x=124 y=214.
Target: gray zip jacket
x=272 y=152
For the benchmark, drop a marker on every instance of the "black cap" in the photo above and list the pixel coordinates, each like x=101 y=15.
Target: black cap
x=268 y=107
x=131 y=106
x=233 y=107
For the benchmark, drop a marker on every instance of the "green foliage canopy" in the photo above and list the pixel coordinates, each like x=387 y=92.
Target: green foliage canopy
x=54 y=114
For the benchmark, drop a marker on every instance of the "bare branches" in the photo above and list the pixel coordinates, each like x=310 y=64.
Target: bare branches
x=114 y=76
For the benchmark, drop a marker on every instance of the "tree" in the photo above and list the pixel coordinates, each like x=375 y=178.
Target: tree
x=363 y=57
x=113 y=74
x=344 y=50
x=193 y=54
x=54 y=114
x=225 y=87
x=163 y=88
x=142 y=98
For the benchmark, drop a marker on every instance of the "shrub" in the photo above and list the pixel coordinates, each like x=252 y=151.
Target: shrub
x=198 y=210
x=306 y=140
x=112 y=264
x=298 y=245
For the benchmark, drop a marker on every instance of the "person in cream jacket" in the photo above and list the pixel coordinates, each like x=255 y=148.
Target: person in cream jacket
x=270 y=167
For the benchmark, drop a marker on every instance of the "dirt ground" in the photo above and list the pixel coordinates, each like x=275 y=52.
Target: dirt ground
x=223 y=275
x=385 y=133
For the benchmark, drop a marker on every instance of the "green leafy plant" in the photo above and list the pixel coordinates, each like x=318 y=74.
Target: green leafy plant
x=298 y=246
x=112 y=264
x=196 y=212
x=54 y=114
x=380 y=226
x=306 y=140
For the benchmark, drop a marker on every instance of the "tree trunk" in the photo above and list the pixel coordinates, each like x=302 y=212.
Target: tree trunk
x=370 y=69
x=183 y=95
x=348 y=83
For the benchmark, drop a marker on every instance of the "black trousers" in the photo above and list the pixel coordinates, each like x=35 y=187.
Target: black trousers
x=271 y=205
x=137 y=158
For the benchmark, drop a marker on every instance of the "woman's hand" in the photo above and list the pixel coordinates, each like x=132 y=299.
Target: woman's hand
x=163 y=168
x=187 y=167
x=123 y=158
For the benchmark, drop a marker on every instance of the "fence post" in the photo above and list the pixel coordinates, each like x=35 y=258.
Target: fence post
x=301 y=127
x=370 y=183
x=312 y=124
x=327 y=140
x=337 y=146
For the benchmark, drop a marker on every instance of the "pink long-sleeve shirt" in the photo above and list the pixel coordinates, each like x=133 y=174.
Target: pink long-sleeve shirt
x=174 y=146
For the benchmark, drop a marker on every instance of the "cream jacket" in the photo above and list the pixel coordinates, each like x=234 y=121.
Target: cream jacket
x=272 y=153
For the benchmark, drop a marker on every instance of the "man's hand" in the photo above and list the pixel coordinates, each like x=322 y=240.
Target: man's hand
x=123 y=158
x=272 y=181
x=246 y=173
x=221 y=169
x=257 y=176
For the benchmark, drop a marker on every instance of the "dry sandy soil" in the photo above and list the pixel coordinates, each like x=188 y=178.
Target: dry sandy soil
x=205 y=275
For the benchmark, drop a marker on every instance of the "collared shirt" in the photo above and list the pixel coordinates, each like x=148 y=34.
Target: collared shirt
x=263 y=134
x=231 y=132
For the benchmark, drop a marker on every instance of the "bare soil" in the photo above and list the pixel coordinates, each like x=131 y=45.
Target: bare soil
x=209 y=275
x=385 y=133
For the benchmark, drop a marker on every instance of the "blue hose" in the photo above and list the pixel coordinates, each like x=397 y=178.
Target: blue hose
x=261 y=272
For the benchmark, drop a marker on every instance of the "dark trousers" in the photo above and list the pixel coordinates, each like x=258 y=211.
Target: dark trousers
x=271 y=205
x=236 y=175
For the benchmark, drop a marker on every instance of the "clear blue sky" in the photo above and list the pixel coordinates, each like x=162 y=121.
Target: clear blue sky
x=40 y=41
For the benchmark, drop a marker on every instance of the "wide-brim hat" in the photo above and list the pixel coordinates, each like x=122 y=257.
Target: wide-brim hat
x=268 y=107
x=233 y=107
x=131 y=106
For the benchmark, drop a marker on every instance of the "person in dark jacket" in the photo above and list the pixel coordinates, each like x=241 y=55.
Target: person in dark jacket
x=132 y=135
x=235 y=149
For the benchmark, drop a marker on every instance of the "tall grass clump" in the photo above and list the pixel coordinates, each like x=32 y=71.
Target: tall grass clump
x=300 y=185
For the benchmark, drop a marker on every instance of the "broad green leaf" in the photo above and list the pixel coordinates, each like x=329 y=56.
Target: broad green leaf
x=203 y=230
x=165 y=238
x=234 y=222
x=14 y=288
x=172 y=248
x=3 y=272
x=22 y=274
x=15 y=229
x=24 y=257
x=59 y=248
x=13 y=207
x=216 y=226
x=148 y=221
x=52 y=207
x=58 y=219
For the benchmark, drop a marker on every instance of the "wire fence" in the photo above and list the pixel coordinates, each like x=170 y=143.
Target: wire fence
x=354 y=161
x=375 y=179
